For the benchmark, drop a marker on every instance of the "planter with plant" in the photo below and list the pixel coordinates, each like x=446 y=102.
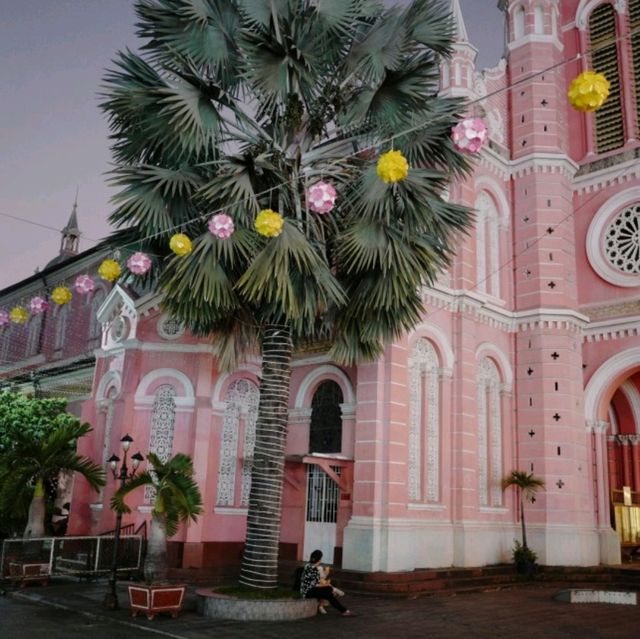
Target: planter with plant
x=527 y=486
x=177 y=499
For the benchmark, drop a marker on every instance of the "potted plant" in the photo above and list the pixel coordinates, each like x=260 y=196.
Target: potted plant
x=177 y=499
x=527 y=486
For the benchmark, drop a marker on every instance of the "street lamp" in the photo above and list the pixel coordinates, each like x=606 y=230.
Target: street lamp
x=111 y=598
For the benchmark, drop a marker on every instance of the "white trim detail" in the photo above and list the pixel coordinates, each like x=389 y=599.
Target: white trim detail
x=439 y=338
x=109 y=378
x=595 y=236
x=218 y=402
x=488 y=184
x=601 y=379
x=184 y=399
x=630 y=391
x=587 y=6
x=312 y=377
x=488 y=349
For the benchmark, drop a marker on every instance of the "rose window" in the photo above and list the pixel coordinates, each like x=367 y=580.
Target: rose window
x=622 y=240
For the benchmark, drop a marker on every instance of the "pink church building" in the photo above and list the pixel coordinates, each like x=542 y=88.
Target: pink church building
x=527 y=357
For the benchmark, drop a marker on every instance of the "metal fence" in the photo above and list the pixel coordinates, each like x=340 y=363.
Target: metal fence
x=81 y=556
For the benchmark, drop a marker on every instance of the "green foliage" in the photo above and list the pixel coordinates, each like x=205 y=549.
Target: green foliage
x=36 y=460
x=36 y=417
x=240 y=105
x=522 y=555
x=527 y=483
x=177 y=496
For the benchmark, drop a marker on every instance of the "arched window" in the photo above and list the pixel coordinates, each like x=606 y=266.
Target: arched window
x=487 y=245
x=489 y=434
x=33 y=336
x=237 y=442
x=518 y=23
x=424 y=423
x=62 y=313
x=325 y=430
x=95 y=328
x=538 y=20
x=107 y=449
x=604 y=58
x=6 y=335
x=163 y=419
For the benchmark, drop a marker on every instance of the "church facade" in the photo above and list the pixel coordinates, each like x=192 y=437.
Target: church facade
x=527 y=357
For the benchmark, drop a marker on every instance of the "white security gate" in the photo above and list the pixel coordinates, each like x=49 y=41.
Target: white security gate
x=323 y=496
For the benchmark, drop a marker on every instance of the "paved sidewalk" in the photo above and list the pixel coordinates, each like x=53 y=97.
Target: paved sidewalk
x=523 y=613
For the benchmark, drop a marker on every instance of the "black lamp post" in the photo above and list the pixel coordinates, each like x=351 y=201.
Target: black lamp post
x=111 y=598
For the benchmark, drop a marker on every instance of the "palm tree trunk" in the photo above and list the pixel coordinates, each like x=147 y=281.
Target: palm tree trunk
x=35 y=520
x=155 y=564
x=524 y=530
x=260 y=559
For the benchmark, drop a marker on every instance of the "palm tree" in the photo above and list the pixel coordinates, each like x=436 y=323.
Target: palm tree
x=527 y=486
x=237 y=107
x=176 y=498
x=32 y=462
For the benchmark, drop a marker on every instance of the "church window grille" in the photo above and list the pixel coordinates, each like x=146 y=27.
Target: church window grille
x=61 y=327
x=238 y=429
x=325 y=430
x=33 y=336
x=489 y=435
x=634 y=28
x=163 y=418
x=604 y=56
x=424 y=423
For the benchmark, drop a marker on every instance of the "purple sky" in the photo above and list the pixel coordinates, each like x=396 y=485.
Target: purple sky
x=53 y=137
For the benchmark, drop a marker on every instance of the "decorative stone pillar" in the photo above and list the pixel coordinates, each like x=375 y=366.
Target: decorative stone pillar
x=612 y=454
x=626 y=460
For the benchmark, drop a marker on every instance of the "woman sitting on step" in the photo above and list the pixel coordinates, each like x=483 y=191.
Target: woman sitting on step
x=310 y=587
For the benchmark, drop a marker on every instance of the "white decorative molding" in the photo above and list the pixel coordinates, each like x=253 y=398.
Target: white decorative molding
x=600 y=381
x=632 y=395
x=109 y=379
x=185 y=397
x=595 y=239
x=545 y=163
x=486 y=349
x=614 y=175
x=328 y=371
x=536 y=37
x=585 y=7
x=245 y=370
x=439 y=338
x=118 y=317
x=241 y=512
x=607 y=330
x=169 y=328
x=491 y=186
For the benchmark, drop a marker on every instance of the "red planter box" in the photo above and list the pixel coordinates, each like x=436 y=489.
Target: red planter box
x=154 y=599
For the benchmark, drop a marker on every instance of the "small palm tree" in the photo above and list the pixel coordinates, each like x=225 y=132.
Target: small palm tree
x=527 y=486
x=32 y=462
x=177 y=498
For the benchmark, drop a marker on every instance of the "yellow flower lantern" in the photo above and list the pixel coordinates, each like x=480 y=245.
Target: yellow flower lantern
x=180 y=244
x=269 y=223
x=109 y=270
x=589 y=91
x=61 y=295
x=19 y=315
x=392 y=167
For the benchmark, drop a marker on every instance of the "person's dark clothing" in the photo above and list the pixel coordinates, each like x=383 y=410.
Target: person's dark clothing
x=310 y=590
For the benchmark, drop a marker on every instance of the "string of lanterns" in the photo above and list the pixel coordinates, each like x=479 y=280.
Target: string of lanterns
x=587 y=93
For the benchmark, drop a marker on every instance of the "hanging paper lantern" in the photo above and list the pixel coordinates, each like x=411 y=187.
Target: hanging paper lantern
x=180 y=244
x=321 y=197
x=84 y=284
x=392 y=167
x=139 y=263
x=38 y=305
x=269 y=223
x=109 y=270
x=19 y=315
x=221 y=226
x=470 y=135
x=4 y=318
x=61 y=295
x=589 y=91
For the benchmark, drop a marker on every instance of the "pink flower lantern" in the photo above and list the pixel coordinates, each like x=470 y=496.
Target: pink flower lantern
x=139 y=263
x=470 y=135
x=4 y=318
x=221 y=226
x=84 y=284
x=38 y=305
x=321 y=197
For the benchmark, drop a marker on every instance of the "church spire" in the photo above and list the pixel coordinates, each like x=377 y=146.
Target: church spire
x=69 y=244
x=458 y=22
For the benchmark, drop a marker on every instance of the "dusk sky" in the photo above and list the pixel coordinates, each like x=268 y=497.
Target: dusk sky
x=53 y=137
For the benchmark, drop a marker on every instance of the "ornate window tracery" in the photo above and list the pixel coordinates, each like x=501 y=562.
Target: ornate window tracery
x=424 y=423
x=622 y=240
x=489 y=434
x=238 y=425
